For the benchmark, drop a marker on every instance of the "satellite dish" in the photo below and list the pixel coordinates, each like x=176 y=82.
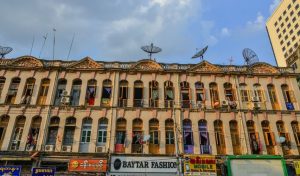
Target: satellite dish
x=146 y=138
x=151 y=49
x=200 y=53
x=250 y=56
x=4 y=51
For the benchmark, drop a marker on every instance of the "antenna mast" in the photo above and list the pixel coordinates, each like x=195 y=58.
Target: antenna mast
x=71 y=46
x=45 y=38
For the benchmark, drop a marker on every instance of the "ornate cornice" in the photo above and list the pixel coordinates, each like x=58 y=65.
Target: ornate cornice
x=26 y=62
x=147 y=65
x=263 y=68
x=205 y=66
x=86 y=63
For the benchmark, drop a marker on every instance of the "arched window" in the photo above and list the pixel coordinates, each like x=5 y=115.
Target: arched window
x=69 y=133
x=245 y=96
x=2 y=82
x=289 y=97
x=284 y=137
x=91 y=92
x=170 y=143
x=106 y=93
x=43 y=91
x=52 y=132
x=12 y=92
x=154 y=136
x=253 y=137
x=138 y=94
x=33 y=134
x=230 y=97
x=86 y=131
x=169 y=94
x=120 y=135
x=27 y=93
x=214 y=95
x=123 y=93
x=205 y=147
x=188 y=136
x=296 y=131
x=75 y=92
x=61 y=86
x=273 y=97
x=4 y=119
x=102 y=131
x=235 y=137
x=269 y=137
x=260 y=96
x=18 y=132
x=220 y=138
x=185 y=94
x=153 y=94
x=200 y=93
x=137 y=136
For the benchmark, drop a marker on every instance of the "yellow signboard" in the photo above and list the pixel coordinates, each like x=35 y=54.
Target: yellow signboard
x=297 y=167
x=200 y=165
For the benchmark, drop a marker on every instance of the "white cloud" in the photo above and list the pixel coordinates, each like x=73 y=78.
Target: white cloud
x=225 y=32
x=258 y=23
x=273 y=6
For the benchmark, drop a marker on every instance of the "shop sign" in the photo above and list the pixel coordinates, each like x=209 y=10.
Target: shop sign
x=128 y=164
x=297 y=167
x=88 y=165
x=41 y=171
x=10 y=170
x=200 y=165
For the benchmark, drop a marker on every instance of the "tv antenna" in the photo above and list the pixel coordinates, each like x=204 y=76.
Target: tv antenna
x=250 y=56
x=4 y=51
x=200 y=53
x=151 y=49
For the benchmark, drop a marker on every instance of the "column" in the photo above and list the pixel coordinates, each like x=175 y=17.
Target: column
x=128 y=148
x=77 y=135
x=35 y=92
x=26 y=129
x=20 y=91
x=111 y=132
x=227 y=136
x=146 y=132
x=60 y=134
x=196 y=138
x=83 y=92
x=98 y=91
x=212 y=138
x=5 y=90
x=94 y=133
x=43 y=132
x=9 y=133
x=162 y=139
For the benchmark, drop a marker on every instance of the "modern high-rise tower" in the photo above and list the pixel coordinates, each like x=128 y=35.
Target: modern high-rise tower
x=284 y=32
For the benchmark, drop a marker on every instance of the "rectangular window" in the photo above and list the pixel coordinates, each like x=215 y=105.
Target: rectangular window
x=269 y=138
x=154 y=137
x=102 y=135
x=245 y=95
x=169 y=137
x=188 y=138
x=86 y=136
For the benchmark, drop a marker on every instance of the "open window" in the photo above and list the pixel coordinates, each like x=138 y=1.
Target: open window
x=106 y=93
x=220 y=138
x=18 y=132
x=235 y=137
x=120 y=135
x=43 y=91
x=188 y=136
x=273 y=97
x=296 y=131
x=185 y=94
x=214 y=95
x=12 y=91
x=27 y=93
x=69 y=132
x=123 y=93
x=169 y=94
x=253 y=137
x=153 y=94
x=260 y=96
x=4 y=119
x=245 y=96
x=200 y=94
x=75 y=92
x=230 y=98
x=61 y=86
x=284 y=137
x=91 y=92
x=137 y=136
x=170 y=136
x=205 y=147
x=154 y=136
x=269 y=137
x=289 y=97
x=52 y=131
x=86 y=132
x=32 y=138
x=138 y=95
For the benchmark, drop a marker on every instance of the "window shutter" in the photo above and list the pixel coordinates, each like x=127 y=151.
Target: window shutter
x=264 y=95
x=297 y=134
x=217 y=137
x=266 y=138
x=256 y=136
x=292 y=96
x=273 y=138
x=204 y=94
x=234 y=94
x=287 y=137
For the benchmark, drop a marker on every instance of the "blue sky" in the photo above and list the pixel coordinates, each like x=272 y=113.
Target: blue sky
x=116 y=29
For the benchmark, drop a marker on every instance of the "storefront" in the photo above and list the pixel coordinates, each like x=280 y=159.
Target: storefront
x=137 y=165
x=200 y=165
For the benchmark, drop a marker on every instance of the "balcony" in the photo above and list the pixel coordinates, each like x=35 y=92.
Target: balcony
x=119 y=148
x=105 y=102
x=137 y=148
x=185 y=104
x=205 y=149
x=122 y=102
x=169 y=103
x=153 y=103
x=189 y=149
x=138 y=103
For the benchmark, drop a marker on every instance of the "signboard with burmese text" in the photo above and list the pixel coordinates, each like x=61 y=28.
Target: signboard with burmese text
x=200 y=165
x=137 y=164
x=88 y=165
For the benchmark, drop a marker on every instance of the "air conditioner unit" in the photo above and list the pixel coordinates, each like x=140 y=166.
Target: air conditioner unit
x=256 y=105
x=255 y=99
x=224 y=103
x=100 y=149
x=49 y=148
x=66 y=148
x=64 y=93
x=199 y=104
x=65 y=100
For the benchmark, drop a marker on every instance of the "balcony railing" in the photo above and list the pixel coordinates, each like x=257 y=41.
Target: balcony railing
x=205 y=149
x=122 y=102
x=169 y=103
x=138 y=103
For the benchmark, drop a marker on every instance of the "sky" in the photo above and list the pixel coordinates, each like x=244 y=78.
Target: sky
x=115 y=30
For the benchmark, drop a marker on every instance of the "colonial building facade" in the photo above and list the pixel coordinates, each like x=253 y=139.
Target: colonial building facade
x=53 y=111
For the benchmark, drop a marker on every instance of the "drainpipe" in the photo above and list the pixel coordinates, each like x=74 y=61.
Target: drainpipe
x=242 y=115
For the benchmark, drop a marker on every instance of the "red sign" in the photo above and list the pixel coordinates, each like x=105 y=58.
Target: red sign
x=88 y=165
